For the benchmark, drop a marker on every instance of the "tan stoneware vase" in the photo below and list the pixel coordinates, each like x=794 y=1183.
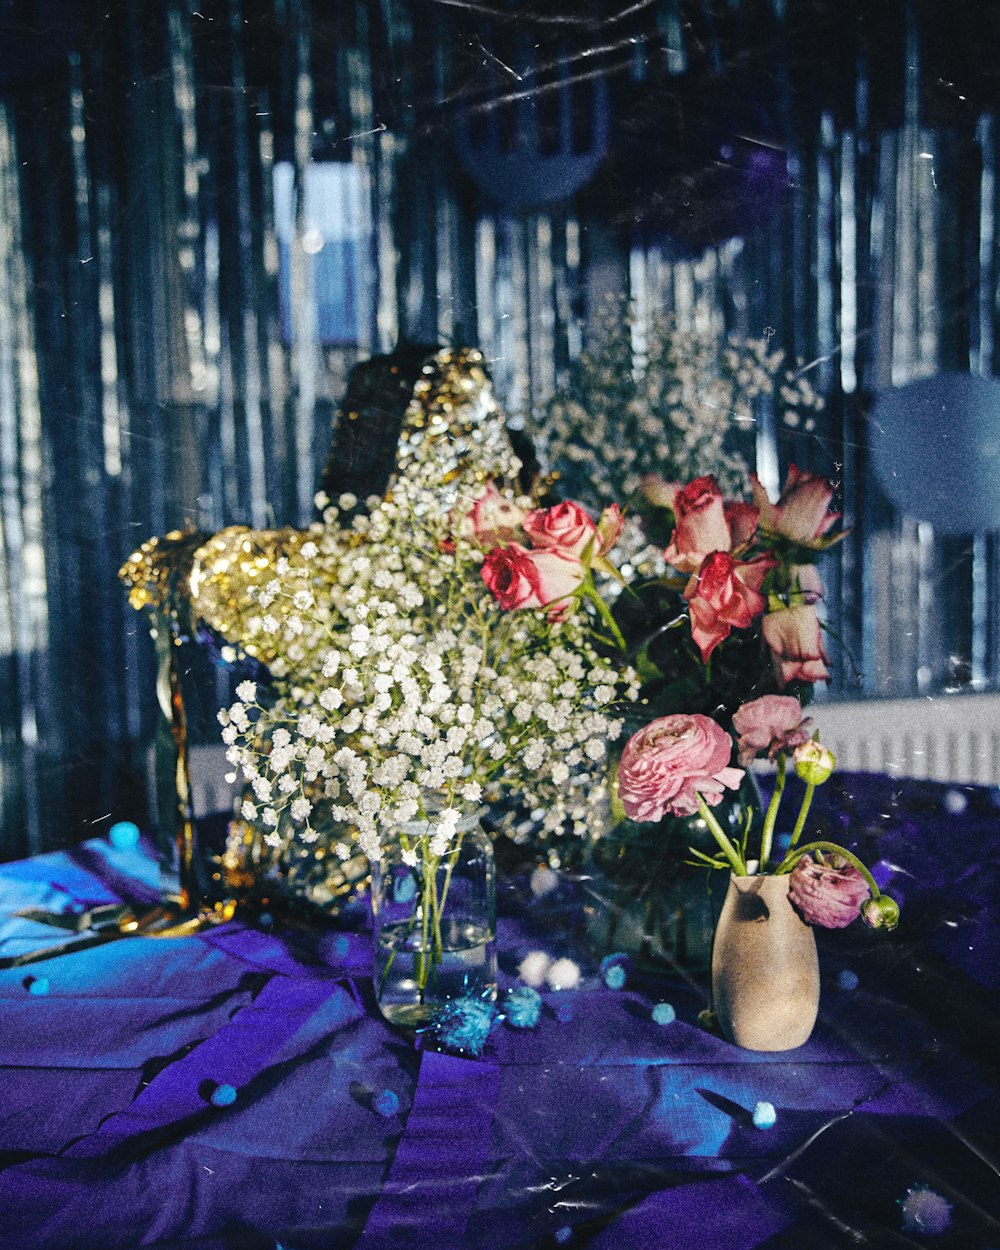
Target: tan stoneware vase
x=765 y=972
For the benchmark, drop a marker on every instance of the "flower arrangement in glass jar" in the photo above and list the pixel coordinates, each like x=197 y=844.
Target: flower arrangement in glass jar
x=447 y=648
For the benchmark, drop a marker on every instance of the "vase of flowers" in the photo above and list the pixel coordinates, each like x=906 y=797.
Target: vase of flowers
x=449 y=648
x=765 y=977
x=434 y=910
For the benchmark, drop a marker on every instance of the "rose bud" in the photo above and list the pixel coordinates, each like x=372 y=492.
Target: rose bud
x=813 y=762
x=701 y=525
x=881 y=913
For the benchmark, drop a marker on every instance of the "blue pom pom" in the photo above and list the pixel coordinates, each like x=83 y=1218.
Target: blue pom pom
x=562 y=1235
x=37 y=985
x=925 y=1211
x=764 y=1115
x=522 y=1007
x=404 y=887
x=124 y=835
x=564 y=1011
x=847 y=979
x=463 y=1024
x=614 y=970
x=223 y=1096
x=663 y=1013
x=386 y=1104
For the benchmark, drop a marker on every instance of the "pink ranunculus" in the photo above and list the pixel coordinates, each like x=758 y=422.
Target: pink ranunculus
x=701 y=525
x=796 y=643
x=802 y=511
x=565 y=525
x=670 y=761
x=725 y=594
x=770 y=724
x=519 y=578
x=829 y=893
x=493 y=519
x=742 y=519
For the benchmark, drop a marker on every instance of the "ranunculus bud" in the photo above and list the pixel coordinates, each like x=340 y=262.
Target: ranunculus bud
x=881 y=913
x=813 y=762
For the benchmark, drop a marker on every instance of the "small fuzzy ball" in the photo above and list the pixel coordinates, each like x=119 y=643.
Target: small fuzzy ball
x=124 y=835
x=764 y=1115
x=955 y=802
x=223 y=1096
x=564 y=974
x=463 y=1024
x=385 y=1104
x=925 y=1211
x=663 y=1013
x=847 y=979
x=404 y=888
x=533 y=967
x=564 y=1011
x=522 y=1007
x=37 y=985
x=562 y=1235
x=614 y=971
x=543 y=881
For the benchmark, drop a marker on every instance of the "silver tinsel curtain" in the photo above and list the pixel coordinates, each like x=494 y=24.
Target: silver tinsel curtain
x=209 y=211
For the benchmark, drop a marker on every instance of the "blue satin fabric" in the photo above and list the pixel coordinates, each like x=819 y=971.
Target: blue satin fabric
x=599 y=1128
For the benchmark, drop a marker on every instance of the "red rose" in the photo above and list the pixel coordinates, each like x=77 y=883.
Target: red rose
x=670 y=761
x=772 y=723
x=519 y=578
x=565 y=525
x=828 y=893
x=724 y=594
x=796 y=643
x=701 y=525
x=801 y=513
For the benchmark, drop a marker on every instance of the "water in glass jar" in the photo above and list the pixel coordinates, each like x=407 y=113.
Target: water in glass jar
x=467 y=963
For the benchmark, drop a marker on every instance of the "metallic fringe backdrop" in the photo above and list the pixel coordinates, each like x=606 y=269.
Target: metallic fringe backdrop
x=209 y=212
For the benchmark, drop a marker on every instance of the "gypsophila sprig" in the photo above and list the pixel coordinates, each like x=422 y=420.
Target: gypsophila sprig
x=403 y=674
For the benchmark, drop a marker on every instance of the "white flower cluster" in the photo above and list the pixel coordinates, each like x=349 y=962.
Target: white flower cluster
x=686 y=408
x=401 y=679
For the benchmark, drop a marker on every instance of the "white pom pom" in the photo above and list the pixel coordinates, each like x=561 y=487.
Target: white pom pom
x=925 y=1211
x=564 y=974
x=533 y=967
x=543 y=881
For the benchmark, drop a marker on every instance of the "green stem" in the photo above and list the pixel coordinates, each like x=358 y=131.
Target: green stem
x=590 y=590
x=807 y=799
x=772 y=813
x=730 y=851
x=793 y=857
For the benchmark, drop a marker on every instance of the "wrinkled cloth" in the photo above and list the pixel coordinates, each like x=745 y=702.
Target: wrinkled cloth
x=599 y=1128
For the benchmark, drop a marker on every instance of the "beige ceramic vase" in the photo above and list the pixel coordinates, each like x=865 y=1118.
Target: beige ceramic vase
x=765 y=973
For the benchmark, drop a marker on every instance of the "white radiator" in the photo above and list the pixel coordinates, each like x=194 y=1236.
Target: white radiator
x=941 y=738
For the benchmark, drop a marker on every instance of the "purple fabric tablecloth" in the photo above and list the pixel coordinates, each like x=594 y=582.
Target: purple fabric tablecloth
x=599 y=1128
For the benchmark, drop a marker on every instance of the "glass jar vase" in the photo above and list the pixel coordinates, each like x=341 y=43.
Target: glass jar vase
x=434 y=920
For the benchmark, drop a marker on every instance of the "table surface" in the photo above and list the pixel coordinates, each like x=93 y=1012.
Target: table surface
x=599 y=1128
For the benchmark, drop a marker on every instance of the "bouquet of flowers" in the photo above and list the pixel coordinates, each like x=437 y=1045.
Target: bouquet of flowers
x=652 y=396
x=446 y=648
x=682 y=764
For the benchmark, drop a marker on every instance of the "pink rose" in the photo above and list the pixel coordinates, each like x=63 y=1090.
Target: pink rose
x=519 y=578
x=801 y=513
x=772 y=723
x=724 y=594
x=742 y=520
x=669 y=762
x=701 y=525
x=493 y=519
x=796 y=643
x=828 y=893
x=609 y=528
x=565 y=525
x=658 y=491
